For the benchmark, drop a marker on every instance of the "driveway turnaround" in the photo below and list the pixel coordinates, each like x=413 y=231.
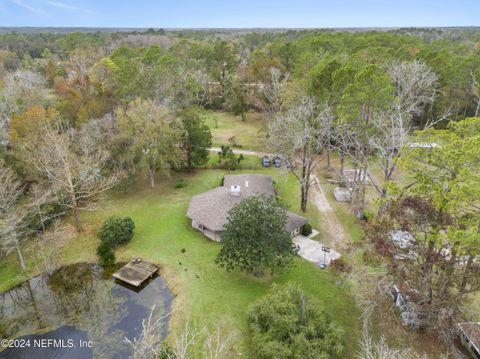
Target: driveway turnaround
x=312 y=251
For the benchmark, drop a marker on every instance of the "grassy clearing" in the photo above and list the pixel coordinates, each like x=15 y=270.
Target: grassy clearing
x=248 y=162
x=206 y=294
x=249 y=134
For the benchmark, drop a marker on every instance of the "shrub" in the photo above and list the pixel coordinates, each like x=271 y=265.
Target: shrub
x=166 y=352
x=287 y=323
x=31 y=222
x=117 y=230
x=306 y=229
x=372 y=258
x=181 y=183
x=339 y=265
x=369 y=216
x=106 y=255
x=228 y=160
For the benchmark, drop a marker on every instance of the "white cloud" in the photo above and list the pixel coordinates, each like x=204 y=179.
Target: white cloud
x=33 y=10
x=64 y=6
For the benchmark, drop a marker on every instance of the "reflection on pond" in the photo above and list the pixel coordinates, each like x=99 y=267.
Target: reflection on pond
x=79 y=302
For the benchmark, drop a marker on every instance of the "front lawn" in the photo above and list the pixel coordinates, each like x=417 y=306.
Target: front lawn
x=206 y=294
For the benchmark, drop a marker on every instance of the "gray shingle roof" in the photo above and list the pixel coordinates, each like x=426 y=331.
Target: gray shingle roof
x=211 y=208
x=250 y=184
x=294 y=221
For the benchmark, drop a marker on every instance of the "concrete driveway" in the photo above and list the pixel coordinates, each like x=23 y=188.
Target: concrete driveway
x=311 y=250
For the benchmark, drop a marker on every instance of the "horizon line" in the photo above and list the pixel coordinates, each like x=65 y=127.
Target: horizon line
x=238 y=28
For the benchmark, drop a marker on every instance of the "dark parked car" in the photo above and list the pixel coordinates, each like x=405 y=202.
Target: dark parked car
x=266 y=161
x=277 y=161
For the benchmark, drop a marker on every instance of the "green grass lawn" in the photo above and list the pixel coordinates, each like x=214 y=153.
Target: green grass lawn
x=206 y=294
x=250 y=134
x=248 y=162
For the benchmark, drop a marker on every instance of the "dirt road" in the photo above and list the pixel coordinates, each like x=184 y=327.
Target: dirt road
x=332 y=230
x=242 y=152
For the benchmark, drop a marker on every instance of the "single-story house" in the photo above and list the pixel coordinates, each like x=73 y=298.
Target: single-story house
x=209 y=210
x=470 y=337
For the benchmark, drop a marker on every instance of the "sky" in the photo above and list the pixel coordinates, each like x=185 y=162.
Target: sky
x=239 y=13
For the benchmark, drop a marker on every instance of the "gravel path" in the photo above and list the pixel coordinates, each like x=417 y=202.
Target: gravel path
x=333 y=233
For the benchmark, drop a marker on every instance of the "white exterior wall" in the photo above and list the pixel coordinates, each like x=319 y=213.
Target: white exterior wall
x=214 y=236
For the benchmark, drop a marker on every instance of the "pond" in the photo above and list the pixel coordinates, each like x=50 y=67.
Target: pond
x=78 y=311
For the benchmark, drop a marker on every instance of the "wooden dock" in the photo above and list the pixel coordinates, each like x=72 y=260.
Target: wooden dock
x=136 y=272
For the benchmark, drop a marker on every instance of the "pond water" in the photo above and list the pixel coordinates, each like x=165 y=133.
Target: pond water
x=76 y=305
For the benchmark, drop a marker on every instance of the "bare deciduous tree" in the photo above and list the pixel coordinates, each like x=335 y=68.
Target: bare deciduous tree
x=298 y=136
x=46 y=248
x=138 y=40
x=217 y=341
x=188 y=338
x=72 y=165
x=147 y=345
x=353 y=142
x=21 y=84
x=11 y=188
x=371 y=295
x=4 y=124
x=272 y=91
x=24 y=84
x=369 y=349
x=414 y=88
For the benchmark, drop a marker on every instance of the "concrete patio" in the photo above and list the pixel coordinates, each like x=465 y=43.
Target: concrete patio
x=311 y=250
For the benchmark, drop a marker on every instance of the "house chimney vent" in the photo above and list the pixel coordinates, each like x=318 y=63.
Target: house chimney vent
x=246 y=183
x=235 y=190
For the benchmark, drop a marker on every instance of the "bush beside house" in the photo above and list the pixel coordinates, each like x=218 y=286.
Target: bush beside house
x=306 y=229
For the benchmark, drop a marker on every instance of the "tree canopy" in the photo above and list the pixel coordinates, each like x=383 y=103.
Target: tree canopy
x=286 y=323
x=255 y=238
